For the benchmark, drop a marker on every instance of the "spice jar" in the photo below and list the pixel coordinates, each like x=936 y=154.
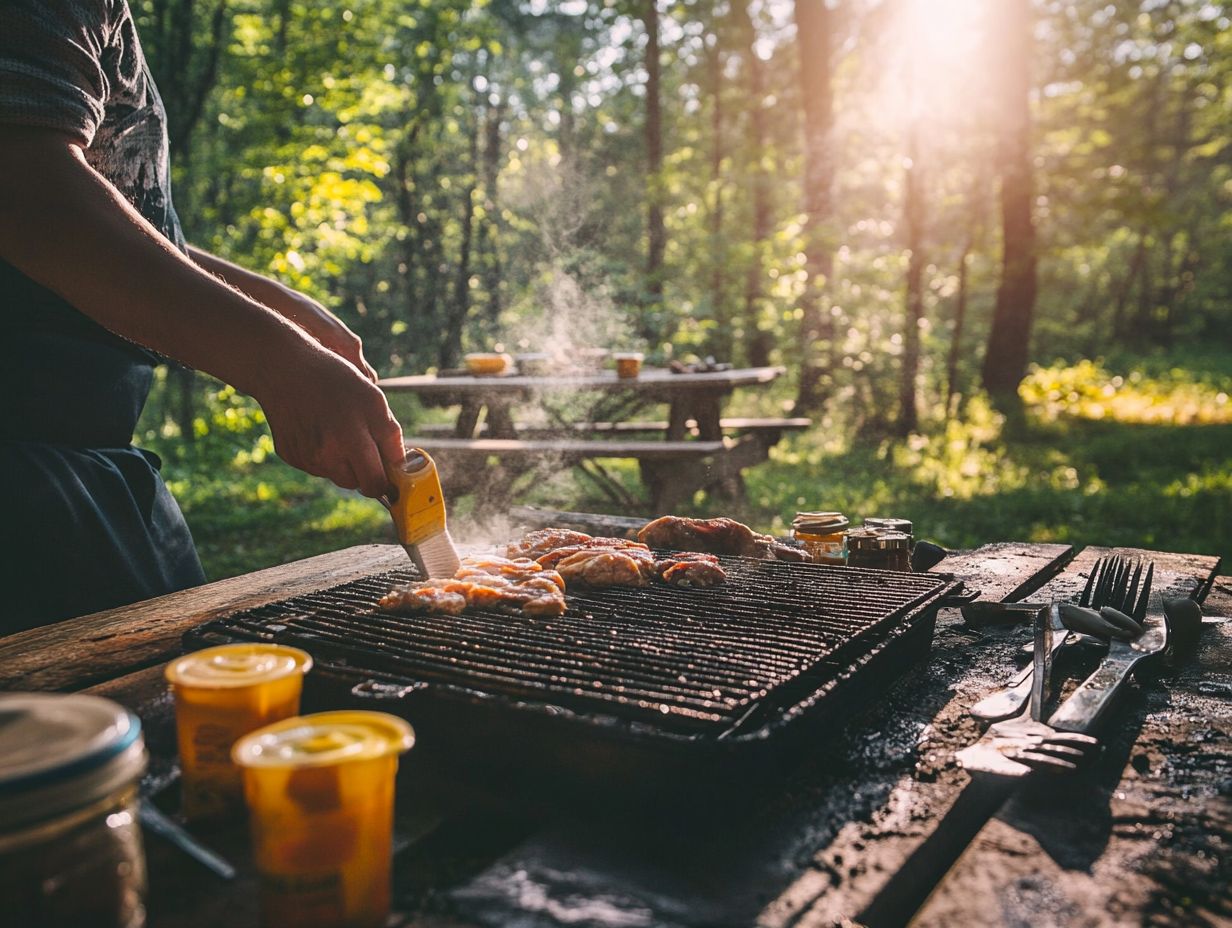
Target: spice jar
x=868 y=547
x=892 y=525
x=70 y=842
x=821 y=534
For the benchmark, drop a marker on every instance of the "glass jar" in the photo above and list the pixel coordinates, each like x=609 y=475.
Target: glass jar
x=867 y=547
x=821 y=534
x=892 y=525
x=70 y=842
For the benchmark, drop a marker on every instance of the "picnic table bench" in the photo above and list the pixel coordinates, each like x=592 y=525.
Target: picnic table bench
x=1142 y=836
x=583 y=419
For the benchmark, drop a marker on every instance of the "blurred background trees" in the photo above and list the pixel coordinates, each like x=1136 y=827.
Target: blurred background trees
x=903 y=202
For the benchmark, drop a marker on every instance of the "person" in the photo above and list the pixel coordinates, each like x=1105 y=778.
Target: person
x=97 y=286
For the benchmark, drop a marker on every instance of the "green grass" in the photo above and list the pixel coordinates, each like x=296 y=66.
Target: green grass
x=1152 y=469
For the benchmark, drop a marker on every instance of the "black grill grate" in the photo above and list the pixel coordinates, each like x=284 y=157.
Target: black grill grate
x=685 y=660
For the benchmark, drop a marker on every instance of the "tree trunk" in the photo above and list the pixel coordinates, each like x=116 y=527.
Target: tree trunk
x=1005 y=361
x=656 y=232
x=451 y=346
x=813 y=27
x=960 y=320
x=492 y=154
x=757 y=341
x=913 y=220
x=721 y=341
x=185 y=379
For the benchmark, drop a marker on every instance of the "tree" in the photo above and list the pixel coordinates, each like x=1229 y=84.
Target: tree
x=757 y=338
x=814 y=24
x=1005 y=360
x=656 y=230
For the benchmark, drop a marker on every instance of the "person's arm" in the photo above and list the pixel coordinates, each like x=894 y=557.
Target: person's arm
x=300 y=308
x=63 y=225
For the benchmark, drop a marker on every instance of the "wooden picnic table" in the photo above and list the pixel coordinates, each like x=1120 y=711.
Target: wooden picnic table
x=1144 y=836
x=578 y=419
x=690 y=396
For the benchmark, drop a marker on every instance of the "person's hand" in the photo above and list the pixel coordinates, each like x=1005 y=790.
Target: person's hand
x=330 y=421
x=330 y=331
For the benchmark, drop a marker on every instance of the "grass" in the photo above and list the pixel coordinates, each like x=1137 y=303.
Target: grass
x=1152 y=468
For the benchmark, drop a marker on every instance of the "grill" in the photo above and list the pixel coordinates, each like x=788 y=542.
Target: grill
x=719 y=666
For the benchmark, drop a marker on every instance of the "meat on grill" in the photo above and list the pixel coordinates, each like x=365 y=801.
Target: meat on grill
x=544 y=540
x=690 y=568
x=601 y=566
x=600 y=562
x=715 y=536
x=487 y=582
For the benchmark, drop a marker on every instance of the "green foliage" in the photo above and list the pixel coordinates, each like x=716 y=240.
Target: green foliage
x=450 y=175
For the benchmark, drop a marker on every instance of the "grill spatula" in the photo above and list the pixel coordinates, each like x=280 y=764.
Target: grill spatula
x=418 y=508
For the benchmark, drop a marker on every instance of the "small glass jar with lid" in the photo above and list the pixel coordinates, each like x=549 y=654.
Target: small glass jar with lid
x=821 y=534
x=867 y=547
x=892 y=525
x=70 y=840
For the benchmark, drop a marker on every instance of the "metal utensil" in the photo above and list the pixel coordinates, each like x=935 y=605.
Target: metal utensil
x=1112 y=581
x=153 y=821
x=417 y=505
x=1087 y=704
x=1014 y=747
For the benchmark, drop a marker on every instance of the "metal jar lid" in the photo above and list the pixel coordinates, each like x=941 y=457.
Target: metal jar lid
x=61 y=752
x=890 y=525
x=872 y=540
x=820 y=523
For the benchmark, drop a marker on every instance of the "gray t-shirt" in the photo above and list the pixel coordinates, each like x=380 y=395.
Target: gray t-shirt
x=77 y=66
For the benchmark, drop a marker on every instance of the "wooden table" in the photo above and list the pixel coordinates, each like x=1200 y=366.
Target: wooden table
x=1145 y=835
x=584 y=418
x=697 y=397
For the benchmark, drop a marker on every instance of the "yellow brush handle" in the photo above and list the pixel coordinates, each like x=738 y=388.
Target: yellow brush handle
x=419 y=509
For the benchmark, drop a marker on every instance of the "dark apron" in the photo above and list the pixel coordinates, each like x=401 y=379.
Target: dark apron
x=90 y=523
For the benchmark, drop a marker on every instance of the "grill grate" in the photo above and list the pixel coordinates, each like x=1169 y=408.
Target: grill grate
x=684 y=660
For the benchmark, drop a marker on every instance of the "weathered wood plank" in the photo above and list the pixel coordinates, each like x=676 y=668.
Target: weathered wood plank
x=90 y=649
x=1006 y=571
x=858 y=865
x=1144 y=838
x=532 y=517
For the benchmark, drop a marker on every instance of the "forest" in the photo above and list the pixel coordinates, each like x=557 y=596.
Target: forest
x=988 y=240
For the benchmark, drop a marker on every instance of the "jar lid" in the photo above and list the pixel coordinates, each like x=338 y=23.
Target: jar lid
x=820 y=522
x=870 y=540
x=234 y=665
x=890 y=525
x=324 y=739
x=61 y=752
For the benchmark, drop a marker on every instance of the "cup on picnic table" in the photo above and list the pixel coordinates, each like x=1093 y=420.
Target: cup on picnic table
x=628 y=364
x=320 y=794
x=221 y=694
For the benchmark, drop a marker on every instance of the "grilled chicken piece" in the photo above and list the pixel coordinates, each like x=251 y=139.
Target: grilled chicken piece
x=552 y=558
x=599 y=567
x=691 y=569
x=715 y=536
x=544 y=540
x=486 y=582
x=447 y=597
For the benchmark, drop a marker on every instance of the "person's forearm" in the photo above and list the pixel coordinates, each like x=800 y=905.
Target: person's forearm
x=264 y=290
x=76 y=235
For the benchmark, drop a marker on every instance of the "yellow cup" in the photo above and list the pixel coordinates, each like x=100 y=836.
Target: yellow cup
x=221 y=694
x=320 y=793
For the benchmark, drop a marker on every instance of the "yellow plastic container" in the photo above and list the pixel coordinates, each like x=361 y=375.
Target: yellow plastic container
x=320 y=793
x=221 y=694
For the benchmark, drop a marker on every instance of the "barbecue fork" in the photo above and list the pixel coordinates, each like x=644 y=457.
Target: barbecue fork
x=1117 y=588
